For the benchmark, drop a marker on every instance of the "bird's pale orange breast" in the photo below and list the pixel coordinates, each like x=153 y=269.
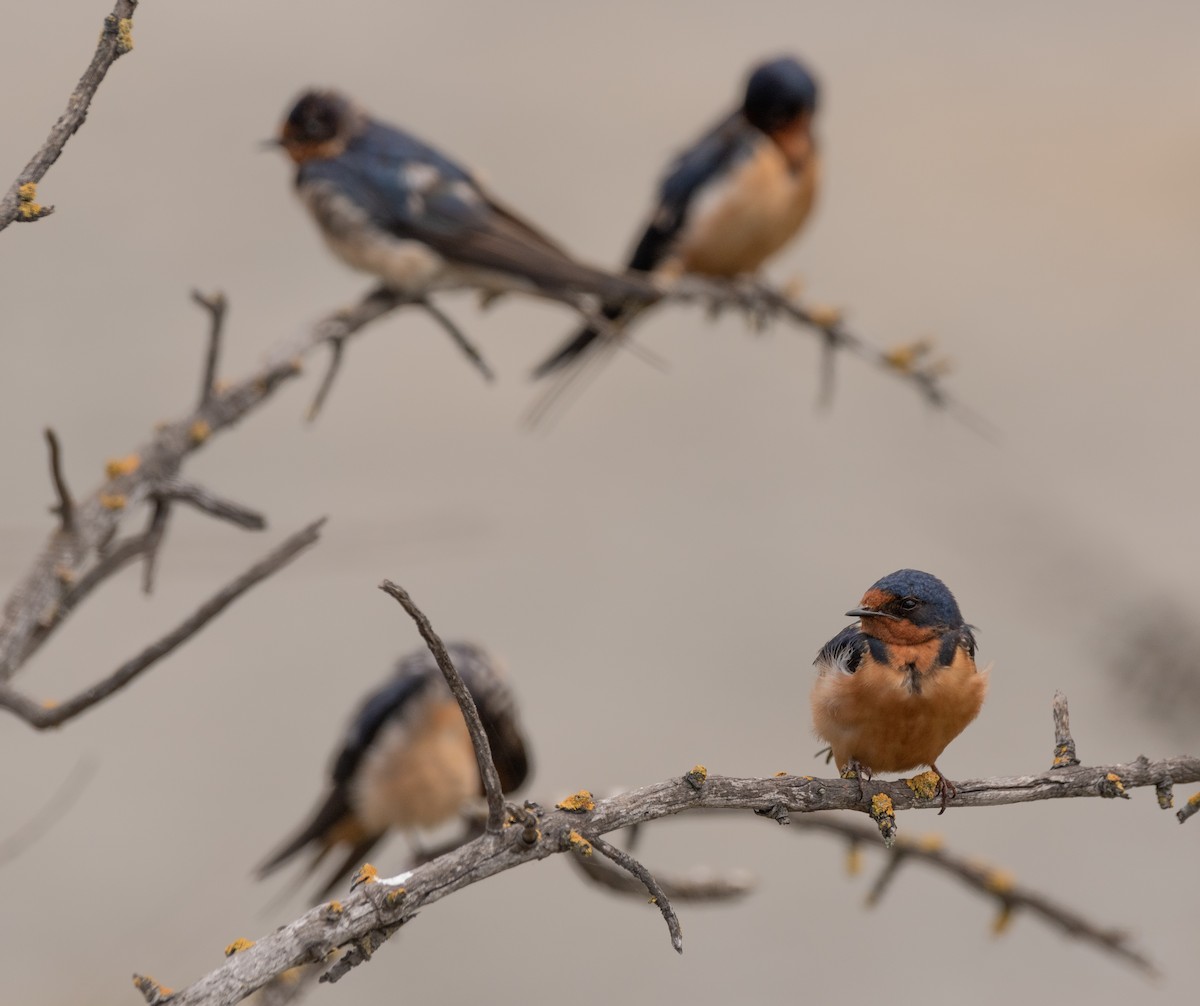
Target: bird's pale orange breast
x=759 y=208
x=418 y=775
x=898 y=717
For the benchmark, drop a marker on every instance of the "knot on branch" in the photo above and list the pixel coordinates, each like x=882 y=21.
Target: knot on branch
x=1111 y=787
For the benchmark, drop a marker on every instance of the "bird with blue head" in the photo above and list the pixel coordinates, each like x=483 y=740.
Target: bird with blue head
x=894 y=689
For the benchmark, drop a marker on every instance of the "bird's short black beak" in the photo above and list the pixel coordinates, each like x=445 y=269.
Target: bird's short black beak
x=871 y=613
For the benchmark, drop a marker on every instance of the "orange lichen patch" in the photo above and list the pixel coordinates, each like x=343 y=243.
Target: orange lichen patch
x=49 y=703
x=367 y=874
x=394 y=897
x=116 y=467
x=578 y=803
x=825 y=316
x=27 y=204
x=112 y=501
x=237 y=946
x=579 y=843
x=848 y=773
x=931 y=842
x=65 y=575
x=124 y=36
x=1064 y=755
x=334 y=908
x=780 y=775
x=1113 y=787
x=695 y=778
x=199 y=431
x=854 y=860
x=999 y=881
x=149 y=988
x=883 y=812
x=924 y=785
x=907 y=356
x=1194 y=800
x=1003 y=918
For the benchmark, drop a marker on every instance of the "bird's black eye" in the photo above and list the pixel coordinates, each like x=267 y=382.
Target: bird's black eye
x=908 y=603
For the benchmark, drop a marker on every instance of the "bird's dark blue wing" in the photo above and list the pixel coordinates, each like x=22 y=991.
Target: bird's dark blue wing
x=952 y=640
x=379 y=707
x=706 y=161
x=844 y=652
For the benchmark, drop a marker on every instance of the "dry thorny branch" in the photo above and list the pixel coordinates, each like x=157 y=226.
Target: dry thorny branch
x=116 y=38
x=377 y=907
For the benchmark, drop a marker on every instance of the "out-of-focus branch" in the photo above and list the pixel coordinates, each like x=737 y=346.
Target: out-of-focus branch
x=993 y=883
x=45 y=715
x=116 y=38
x=77 y=560
x=63 y=799
x=914 y=363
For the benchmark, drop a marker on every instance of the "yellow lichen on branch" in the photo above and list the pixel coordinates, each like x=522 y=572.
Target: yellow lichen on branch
x=367 y=874
x=578 y=803
x=580 y=844
x=924 y=785
x=696 y=777
x=883 y=813
x=112 y=501
x=116 y=467
x=199 y=431
x=27 y=204
x=124 y=36
x=238 y=945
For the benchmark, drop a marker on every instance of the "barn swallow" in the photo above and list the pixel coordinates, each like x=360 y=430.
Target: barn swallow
x=732 y=199
x=899 y=685
x=390 y=205
x=406 y=761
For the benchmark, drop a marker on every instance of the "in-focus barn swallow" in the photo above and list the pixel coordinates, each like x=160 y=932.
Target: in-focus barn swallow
x=732 y=199
x=899 y=685
x=407 y=761
x=390 y=205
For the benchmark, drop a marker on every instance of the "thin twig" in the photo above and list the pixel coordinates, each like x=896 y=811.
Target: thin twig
x=657 y=895
x=44 y=716
x=1188 y=809
x=216 y=306
x=211 y=504
x=116 y=39
x=65 y=508
x=160 y=516
x=63 y=799
x=483 y=750
x=458 y=336
x=699 y=886
x=337 y=345
x=992 y=883
x=1064 y=743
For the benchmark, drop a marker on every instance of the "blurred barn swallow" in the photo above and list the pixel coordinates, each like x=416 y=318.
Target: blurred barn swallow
x=732 y=199
x=390 y=205
x=407 y=762
x=898 y=686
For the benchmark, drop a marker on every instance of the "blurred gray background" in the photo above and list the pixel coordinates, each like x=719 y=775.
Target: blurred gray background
x=660 y=567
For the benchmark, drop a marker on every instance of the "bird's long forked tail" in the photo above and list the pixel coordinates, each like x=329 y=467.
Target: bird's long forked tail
x=579 y=360
x=332 y=824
